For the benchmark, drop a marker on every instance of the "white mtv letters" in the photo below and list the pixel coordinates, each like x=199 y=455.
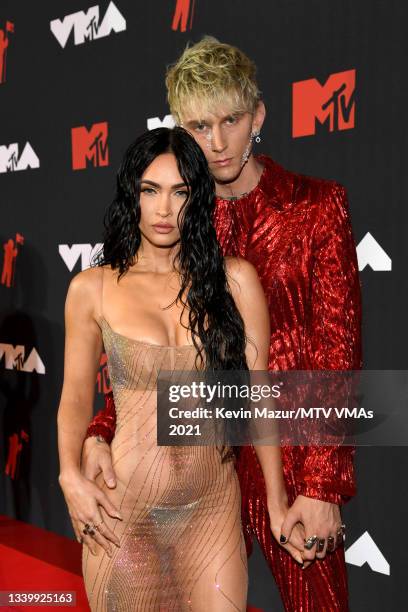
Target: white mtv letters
x=11 y=162
x=86 y=26
x=365 y=550
x=156 y=122
x=370 y=253
x=71 y=254
x=14 y=359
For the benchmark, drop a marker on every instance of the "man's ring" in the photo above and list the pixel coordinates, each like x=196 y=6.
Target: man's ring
x=310 y=542
x=330 y=544
x=320 y=545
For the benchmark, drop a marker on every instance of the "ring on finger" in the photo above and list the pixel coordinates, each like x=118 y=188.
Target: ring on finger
x=98 y=525
x=88 y=529
x=320 y=544
x=310 y=542
x=330 y=544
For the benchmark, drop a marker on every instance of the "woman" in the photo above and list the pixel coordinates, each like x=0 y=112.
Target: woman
x=161 y=298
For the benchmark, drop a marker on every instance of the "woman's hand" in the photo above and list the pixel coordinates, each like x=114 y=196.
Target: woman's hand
x=278 y=508
x=83 y=498
x=319 y=518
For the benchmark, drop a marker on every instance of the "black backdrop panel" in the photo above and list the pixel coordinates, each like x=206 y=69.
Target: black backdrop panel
x=117 y=81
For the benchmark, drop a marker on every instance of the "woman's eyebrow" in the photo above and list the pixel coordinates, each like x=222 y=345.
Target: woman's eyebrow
x=176 y=186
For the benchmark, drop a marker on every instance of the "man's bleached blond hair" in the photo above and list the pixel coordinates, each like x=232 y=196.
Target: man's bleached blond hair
x=210 y=76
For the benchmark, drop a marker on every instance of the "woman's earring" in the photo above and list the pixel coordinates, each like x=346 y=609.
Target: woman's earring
x=257 y=137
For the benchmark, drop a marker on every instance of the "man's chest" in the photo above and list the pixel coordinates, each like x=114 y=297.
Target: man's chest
x=278 y=243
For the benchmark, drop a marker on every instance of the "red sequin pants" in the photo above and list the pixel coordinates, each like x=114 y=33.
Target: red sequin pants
x=321 y=587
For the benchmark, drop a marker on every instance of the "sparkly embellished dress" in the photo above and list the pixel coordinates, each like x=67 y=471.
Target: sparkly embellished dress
x=181 y=540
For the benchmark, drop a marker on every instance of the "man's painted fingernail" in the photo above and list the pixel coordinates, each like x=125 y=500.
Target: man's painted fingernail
x=282 y=539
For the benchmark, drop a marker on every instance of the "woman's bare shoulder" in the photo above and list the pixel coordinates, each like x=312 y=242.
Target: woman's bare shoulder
x=85 y=289
x=87 y=280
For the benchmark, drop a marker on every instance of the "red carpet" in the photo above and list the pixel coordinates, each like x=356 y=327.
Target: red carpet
x=33 y=559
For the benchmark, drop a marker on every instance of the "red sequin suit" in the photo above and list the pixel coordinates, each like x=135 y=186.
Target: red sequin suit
x=296 y=231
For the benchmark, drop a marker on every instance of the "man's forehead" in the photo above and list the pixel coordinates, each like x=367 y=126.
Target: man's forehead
x=202 y=114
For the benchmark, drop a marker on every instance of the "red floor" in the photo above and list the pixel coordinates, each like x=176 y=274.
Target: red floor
x=35 y=559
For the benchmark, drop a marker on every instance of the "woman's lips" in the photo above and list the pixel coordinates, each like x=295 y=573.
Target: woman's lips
x=163 y=229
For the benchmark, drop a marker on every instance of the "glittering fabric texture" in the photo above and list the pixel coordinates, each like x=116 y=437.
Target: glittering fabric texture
x=182 y=546
x=296 y=231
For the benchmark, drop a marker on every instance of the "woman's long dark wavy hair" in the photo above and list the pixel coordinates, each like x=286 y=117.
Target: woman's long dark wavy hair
x=215 y=323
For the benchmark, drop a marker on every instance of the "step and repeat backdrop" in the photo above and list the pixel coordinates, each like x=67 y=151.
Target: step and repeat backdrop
x=78 y=82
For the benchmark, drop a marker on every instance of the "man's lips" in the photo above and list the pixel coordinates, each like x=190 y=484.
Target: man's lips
x=223 y=162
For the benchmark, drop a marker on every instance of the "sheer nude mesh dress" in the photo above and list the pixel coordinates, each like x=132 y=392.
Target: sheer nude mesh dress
x=181 y=539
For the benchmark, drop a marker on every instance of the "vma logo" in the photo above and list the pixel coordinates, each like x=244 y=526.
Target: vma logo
x=84 y=252
x=90 y=145
x=4 y=43
x=9 y=260
x=88 y=26
x=183 y=15
x=156 y=122
x=11 y=160
x=365 y=550
x=370 y=253
x=331 y=104
x=14 y=359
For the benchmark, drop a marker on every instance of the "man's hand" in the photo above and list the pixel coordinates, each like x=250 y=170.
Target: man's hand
x=319 y=518
x=97 y=458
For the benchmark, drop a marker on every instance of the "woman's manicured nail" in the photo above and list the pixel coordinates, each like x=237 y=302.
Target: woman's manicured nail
x=282 y=539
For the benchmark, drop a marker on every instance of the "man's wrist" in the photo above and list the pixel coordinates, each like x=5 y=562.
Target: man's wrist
x=98 y=429
x=99 y=439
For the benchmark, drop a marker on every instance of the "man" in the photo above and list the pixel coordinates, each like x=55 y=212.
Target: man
x=296 y=231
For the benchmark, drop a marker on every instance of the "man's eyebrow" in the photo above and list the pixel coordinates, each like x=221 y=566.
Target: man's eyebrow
x=195 y=121
x=227 y=116
x=176 y=186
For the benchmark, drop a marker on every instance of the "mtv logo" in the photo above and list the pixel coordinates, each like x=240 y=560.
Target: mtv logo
x=102 y=378
x=90 y=145
x=14 y=359
x=183 y=15
x=87 y=26
x=156 y=122
x=4 y=45
x=365 y=550
x=330 y=104
x=370 y=253
x=84 y=252
x=10 y=161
